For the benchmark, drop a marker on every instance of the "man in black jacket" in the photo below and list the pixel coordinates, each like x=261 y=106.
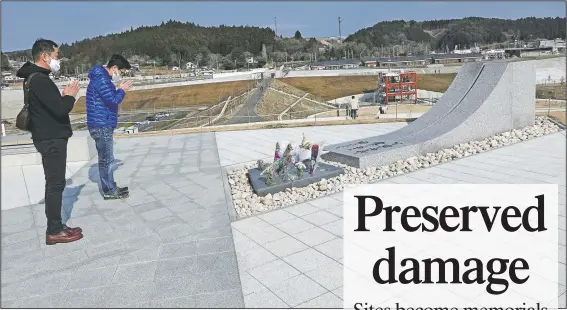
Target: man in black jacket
x=51 y=129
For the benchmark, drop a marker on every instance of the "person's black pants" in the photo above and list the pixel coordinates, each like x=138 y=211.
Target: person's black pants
x=54 y=159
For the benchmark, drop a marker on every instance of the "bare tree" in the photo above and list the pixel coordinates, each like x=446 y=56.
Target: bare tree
x=214 y=60
x=279 y=56
x=359 y=50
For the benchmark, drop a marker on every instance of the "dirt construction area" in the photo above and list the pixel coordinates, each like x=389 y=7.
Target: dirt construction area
x=177 y=96
x=303 y=109
x=272 y=104
x=295 y=102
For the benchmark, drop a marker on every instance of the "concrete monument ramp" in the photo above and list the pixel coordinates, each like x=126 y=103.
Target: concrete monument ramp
x=457 y=91
x=501 y=98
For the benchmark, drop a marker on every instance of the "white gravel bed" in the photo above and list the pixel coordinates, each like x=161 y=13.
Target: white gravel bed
x=247 y=203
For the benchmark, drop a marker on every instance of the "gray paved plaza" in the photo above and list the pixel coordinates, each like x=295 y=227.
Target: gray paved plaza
x=169 y=244
x=172 y=243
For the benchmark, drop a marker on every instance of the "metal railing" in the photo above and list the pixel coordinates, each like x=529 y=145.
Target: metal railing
x=209 y=120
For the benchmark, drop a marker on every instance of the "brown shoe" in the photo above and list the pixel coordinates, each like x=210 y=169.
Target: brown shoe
x=65 y=236
x=72 y=230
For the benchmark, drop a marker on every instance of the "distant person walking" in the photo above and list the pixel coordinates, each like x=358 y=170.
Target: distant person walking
x=51 y=129
x=353 y=107
x=102 y=100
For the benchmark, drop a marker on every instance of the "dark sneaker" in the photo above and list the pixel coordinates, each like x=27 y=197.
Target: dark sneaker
x=123 y=189
x=117 y=195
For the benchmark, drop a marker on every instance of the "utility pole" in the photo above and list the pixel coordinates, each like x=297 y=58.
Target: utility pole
x=276 y=26
x=340 y=34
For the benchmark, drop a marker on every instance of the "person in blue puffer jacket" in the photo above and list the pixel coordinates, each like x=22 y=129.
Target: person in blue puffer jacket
x=103 y=99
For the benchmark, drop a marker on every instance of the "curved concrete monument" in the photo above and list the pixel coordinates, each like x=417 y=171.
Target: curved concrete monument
x=484 y=99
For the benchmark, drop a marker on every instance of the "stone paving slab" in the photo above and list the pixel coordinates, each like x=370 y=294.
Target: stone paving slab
x=293 y=257
x=168 y=245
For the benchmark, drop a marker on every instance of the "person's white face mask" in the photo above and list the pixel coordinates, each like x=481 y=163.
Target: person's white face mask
x=116 y=76
x=54 y=65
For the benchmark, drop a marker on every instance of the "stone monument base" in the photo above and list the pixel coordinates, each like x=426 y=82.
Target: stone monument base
x=258 y=181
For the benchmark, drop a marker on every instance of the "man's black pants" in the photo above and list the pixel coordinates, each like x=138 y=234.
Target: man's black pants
x=54 y=159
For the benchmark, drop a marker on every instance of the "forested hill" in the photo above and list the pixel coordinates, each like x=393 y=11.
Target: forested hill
x=440 y=34
x=229 y=47
x=167 y=43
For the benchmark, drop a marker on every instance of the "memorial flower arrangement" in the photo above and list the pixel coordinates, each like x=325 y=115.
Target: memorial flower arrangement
x=287 y=160
x=303 y=157
x=269 y=172
x=287 y=154
x=277 y=153
x=300 y=166
x=314 y=158
x=305 y=144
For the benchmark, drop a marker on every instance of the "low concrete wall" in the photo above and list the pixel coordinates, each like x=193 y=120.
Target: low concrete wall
x=23 y=180
x=81 y=147
x=428 y=94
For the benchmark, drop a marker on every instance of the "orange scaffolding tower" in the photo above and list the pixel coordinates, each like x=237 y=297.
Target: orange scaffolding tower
x=393 y=85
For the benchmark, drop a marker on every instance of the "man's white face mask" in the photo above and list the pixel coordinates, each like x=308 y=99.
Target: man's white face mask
x=54 y=65
x=116 y=76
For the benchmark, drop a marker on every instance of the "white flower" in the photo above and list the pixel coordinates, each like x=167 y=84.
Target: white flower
x=300 y=166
